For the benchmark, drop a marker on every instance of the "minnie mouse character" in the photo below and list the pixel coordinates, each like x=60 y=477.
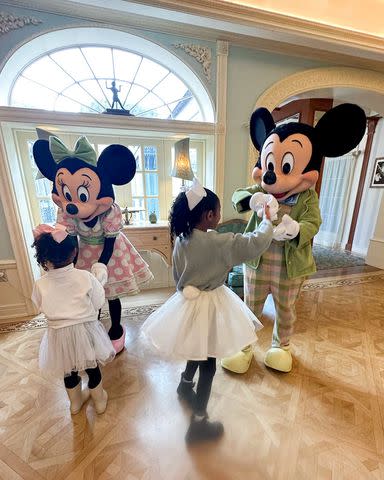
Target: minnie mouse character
x=287 y=169
x=82 y=189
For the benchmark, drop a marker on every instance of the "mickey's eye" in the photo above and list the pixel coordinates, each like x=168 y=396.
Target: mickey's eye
x=287 y=163
x=270 y=162
x=67 y=193
x=83 y=194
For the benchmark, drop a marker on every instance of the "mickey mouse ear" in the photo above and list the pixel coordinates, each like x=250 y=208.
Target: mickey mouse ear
x=340 y=129
x=261 y=125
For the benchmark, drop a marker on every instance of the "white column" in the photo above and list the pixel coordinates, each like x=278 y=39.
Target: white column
x=221 y=115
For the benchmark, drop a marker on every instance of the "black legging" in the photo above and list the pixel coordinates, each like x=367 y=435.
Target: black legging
x=116 y=329
x=207 y=370
x=94 y=378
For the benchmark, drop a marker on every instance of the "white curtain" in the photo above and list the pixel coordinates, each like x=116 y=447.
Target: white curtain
x=336 y=185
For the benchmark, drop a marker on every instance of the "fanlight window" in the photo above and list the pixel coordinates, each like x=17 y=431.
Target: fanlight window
x=80 y=80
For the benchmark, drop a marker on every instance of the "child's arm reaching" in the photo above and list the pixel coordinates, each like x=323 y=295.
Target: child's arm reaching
x=241 y=248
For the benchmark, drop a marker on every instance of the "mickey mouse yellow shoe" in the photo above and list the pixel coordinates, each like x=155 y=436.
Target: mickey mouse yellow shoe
x=279 y=359
x=240 y=362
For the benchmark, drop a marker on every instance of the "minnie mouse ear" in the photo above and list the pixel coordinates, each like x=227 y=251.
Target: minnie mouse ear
x=118 y=164
x=261 y=125
x=340 y=129
x=44 y=160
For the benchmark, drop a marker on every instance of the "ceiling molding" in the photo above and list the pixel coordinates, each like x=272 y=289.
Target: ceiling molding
x=237 y=24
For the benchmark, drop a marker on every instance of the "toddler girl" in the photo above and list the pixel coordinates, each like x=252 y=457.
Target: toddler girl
x=70 y=299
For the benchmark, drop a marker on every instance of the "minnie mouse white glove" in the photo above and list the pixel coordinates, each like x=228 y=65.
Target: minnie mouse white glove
x=100 y=271
x=287 y=229
x=258 y=202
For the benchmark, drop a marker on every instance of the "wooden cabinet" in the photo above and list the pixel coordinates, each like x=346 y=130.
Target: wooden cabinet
x=151 y=236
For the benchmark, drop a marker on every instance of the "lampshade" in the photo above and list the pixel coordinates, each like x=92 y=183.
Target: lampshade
x=182 y=166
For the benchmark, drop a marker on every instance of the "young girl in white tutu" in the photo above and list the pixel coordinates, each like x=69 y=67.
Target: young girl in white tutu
x=70 y=299
x=204 y=319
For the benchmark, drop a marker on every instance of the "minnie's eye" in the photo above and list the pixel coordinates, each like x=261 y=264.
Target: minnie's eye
x=67 y=193
x=83 y=194
x=287 y=163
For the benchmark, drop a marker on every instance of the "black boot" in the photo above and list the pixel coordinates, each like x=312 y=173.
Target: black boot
x=200 y=429
x=186 y=392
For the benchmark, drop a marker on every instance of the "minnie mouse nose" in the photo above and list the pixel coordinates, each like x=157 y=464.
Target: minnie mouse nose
x=72 y=209
x=269 y=177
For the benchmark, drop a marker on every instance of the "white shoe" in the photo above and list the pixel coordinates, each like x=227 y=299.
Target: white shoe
x=99 y=397
x=77 y=397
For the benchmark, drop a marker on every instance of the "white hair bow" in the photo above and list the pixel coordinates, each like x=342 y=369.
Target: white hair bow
x=195 y=194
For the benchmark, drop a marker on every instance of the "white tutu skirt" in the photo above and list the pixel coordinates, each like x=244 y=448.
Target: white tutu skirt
x=75 y=348
x=214 y=323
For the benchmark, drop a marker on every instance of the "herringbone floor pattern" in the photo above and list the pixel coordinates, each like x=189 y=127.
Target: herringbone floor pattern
x=323 y=421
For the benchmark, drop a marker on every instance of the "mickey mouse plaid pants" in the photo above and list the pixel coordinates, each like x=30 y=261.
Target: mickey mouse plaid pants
x=271 y=277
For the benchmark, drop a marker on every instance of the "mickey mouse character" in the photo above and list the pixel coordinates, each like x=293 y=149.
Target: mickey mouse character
x=83 y=191
x=287 y=169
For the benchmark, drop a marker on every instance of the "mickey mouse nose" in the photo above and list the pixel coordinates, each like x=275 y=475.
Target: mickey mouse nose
x=269 y=177
x=72 y=209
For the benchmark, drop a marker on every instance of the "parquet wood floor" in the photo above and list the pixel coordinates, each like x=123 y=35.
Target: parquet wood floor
x=323 y=421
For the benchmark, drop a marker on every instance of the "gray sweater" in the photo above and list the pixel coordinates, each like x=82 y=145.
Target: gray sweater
x=204 y=259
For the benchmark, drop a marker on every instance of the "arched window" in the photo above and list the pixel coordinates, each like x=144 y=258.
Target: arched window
x=75 y=75
x=80 y=79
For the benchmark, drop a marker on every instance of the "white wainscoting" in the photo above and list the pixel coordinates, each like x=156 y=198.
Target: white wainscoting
x=12 y=302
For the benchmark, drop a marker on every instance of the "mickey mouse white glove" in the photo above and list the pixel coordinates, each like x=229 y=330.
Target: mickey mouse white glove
x=100 y=271
x=258 y=202
x=287 y=229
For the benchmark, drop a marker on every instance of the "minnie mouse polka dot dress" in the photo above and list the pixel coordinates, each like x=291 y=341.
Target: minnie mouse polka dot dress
x=127 y=271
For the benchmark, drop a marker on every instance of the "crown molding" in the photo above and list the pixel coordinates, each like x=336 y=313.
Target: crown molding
x=217 y=20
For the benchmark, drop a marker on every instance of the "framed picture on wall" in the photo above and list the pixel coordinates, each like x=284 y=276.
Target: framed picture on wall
x=378 y=173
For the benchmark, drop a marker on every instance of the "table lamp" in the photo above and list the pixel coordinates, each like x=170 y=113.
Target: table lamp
x=182 y=166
